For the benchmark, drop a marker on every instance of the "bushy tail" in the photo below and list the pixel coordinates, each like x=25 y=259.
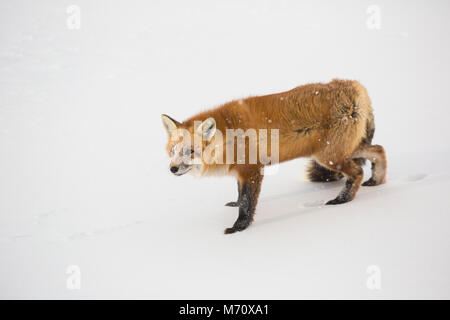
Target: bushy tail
x=317 y=173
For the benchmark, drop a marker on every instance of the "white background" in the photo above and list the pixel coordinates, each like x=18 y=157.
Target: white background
x=84 y=175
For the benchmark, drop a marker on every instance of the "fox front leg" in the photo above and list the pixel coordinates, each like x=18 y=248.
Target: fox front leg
x=248 y=198
x=235 y=203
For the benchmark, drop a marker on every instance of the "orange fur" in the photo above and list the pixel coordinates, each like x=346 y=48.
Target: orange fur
x=333 y=134
x=328 y=122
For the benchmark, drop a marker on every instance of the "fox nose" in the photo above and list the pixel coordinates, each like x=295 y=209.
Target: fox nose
x=174 y=169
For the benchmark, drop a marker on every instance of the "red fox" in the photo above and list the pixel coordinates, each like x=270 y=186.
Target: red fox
x=331 y=123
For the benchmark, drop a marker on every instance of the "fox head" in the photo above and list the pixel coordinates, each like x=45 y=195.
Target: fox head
x=186 y=143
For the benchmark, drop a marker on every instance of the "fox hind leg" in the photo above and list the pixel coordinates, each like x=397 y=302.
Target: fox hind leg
x=354 y=174
x=377 y=156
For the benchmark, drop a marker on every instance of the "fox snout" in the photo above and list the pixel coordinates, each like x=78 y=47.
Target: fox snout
x=179 y=170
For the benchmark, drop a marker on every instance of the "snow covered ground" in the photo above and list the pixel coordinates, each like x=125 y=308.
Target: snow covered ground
x=84 y=177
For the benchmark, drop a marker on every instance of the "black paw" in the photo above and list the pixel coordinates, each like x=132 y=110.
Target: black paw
x=230 y=230
x=232 y=204
x=235 y=229
x=239 y=225
x=369 y=183
x=338 y=200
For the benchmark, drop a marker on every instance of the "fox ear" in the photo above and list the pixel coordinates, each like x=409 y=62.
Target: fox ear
x=207 y=128
x=169 y=124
